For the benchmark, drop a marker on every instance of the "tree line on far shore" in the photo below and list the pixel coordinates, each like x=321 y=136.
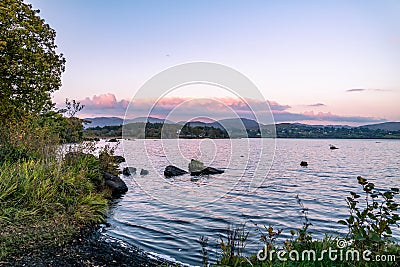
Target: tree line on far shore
x=142 y=130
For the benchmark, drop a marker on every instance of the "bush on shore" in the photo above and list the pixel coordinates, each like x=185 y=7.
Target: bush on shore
x=373 y=216
x=47 y=196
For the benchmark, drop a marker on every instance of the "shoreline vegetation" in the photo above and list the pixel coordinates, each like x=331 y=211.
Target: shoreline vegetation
x=373 y=214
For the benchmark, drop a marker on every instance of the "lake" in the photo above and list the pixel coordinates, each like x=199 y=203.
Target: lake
x=259 y=187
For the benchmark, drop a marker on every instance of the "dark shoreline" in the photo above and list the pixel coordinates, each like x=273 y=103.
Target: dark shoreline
x=88 y=248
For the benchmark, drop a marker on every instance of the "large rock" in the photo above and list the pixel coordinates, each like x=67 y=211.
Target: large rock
x=129 y=171
x=116 y=184
x=197 y=168
x=171 y=171
x=207 y=171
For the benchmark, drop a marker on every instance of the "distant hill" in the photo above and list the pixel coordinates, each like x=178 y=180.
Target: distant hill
x=148 y=119
x=115 y=121
x=103 y=121
x=239 y=123
x=386 y=126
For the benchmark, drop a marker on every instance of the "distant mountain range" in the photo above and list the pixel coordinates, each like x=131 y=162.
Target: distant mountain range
x=115 y=121
x=237 y=123
x=234 y=128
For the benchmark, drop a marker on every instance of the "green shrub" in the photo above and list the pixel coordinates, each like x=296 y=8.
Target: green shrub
x=370 y=227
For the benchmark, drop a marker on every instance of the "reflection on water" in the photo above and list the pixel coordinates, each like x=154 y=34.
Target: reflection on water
x=143 y=220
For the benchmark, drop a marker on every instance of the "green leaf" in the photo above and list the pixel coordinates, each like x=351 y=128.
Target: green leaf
x=342 y=222
x=350 y=220
x=382 y=225
x=359 y=237
x=374 y=237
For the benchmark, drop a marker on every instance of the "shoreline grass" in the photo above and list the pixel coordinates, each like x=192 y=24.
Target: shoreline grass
x=46 y=202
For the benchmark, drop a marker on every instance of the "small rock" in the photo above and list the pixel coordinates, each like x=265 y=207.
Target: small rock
x=304 y=163
x=129 y=171
x=113 y=140
x=171 y=171
x=144 y=172
x=116 y=184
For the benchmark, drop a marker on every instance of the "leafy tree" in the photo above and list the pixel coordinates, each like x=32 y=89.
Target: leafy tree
x=30 y=67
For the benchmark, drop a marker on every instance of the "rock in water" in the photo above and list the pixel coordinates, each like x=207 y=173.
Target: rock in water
x=113 y=140
x=129 y=171
x=304 y=163
x=144 y=172
x=197 y=168
x=171 y=171
x=207 y=171
x=116 y=184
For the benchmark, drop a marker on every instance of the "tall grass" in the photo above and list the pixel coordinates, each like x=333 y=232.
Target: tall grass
x=44 y=198
x=45 y=201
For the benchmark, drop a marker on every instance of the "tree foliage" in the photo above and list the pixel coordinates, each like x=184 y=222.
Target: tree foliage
x=30 y=67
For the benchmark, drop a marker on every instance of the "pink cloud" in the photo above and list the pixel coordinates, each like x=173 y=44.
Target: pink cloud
x=104 y=103
x=216 y=108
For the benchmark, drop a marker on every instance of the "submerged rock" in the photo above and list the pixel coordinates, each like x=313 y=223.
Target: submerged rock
x=129 y=171
x=116 y=184
x=171 y=171
x=197 y=168
x=144 y=172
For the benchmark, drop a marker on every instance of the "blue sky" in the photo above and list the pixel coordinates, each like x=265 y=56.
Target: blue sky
x=298 y=53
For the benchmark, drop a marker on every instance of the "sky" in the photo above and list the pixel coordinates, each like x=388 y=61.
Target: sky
x=318 y=62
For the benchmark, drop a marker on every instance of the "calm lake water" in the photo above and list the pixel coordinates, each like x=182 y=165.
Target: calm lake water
x=168 y=216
